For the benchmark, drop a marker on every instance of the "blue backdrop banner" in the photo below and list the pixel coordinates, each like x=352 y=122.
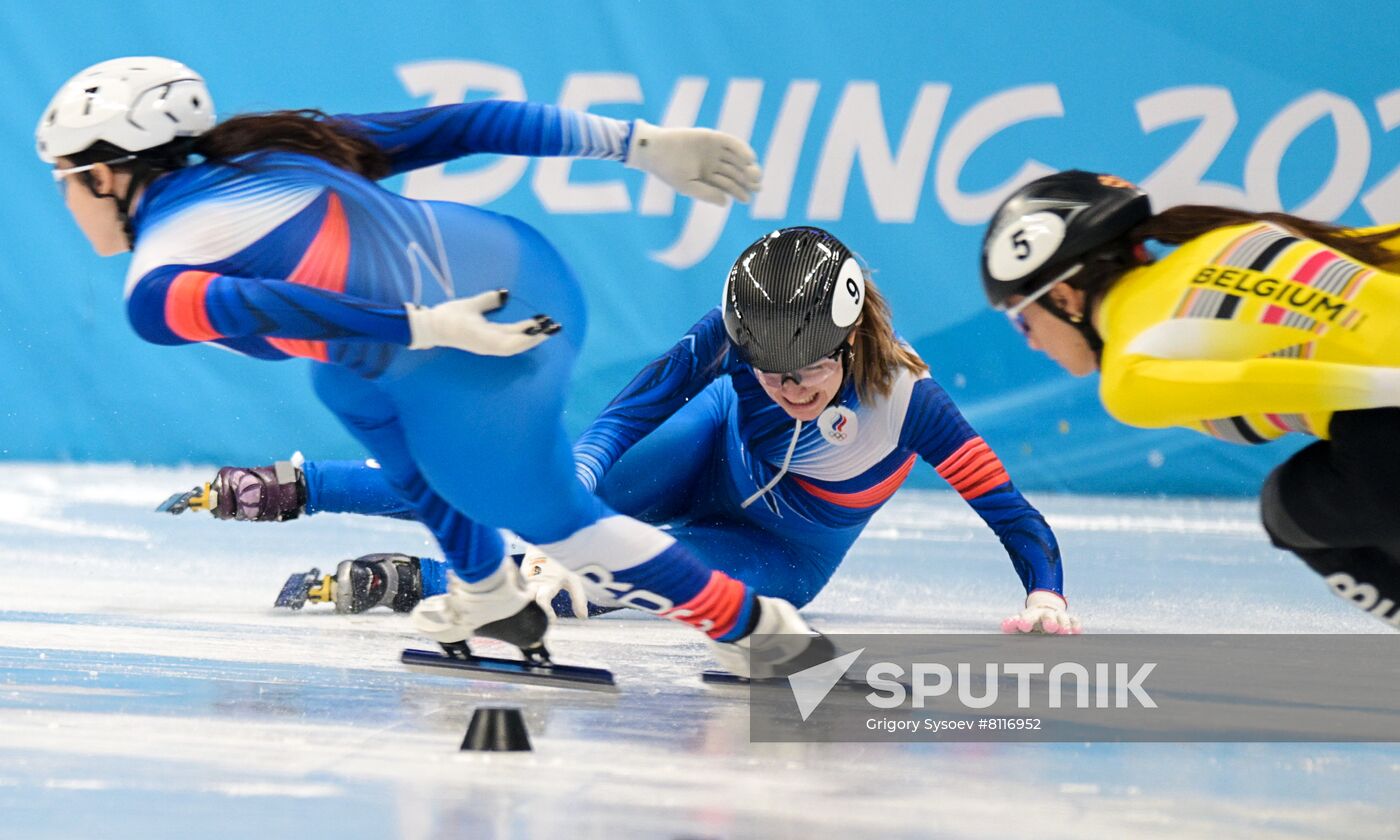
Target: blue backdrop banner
x=898 y=125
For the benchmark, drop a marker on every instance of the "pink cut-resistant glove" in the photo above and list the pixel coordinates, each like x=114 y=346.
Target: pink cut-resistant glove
x=1045 y=612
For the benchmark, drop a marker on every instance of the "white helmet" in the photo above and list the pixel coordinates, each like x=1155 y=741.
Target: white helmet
x=133 y=103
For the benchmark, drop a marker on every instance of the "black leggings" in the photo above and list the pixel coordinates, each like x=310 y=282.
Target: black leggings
x=1336 y=504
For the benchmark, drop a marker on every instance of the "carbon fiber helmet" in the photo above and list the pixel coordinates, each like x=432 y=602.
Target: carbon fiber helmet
x=1043 y=232
x=791 y=298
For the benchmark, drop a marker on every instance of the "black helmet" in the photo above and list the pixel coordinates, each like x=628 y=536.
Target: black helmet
x=792 y=298
x=1040 y=235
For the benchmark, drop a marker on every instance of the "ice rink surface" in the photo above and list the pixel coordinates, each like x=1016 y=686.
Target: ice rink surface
x=148 y=689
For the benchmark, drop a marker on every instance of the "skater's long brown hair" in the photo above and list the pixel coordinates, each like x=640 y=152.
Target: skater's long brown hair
x=307 y=131
x=877 y=355
x=1178 y=225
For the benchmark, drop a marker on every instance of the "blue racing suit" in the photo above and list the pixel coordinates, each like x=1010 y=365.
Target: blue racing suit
x=277 y=254
x=693 y=438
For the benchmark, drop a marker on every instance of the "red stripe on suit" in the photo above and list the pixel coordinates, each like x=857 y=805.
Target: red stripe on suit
x=324 y=266
x=973 y=469
x=185 y=312
x=869 y=497
x=716 y=606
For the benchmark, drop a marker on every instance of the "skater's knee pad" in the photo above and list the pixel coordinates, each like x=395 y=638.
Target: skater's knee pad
x=1284 y=531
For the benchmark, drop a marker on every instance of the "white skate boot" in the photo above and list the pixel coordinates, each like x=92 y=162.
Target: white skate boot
x=774 y=655
x=498 y=607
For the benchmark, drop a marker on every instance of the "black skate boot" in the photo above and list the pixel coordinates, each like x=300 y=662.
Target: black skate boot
x=274 y=493
x=375 y=580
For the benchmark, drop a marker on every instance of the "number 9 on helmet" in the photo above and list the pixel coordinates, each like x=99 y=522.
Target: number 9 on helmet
x=792 y=298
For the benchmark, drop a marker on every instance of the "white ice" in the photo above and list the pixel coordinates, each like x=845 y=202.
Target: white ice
x=149 y=690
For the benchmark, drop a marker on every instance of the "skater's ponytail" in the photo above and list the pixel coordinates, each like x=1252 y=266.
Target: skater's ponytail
x=307 y=131
x=1379 y=247
x=1183 y=223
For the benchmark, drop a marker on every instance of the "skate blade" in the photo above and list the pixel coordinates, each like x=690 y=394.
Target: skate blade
x=723 y=678
x=509 y=670
x=197 y=499
x=177 y=503
x=296 y=590
x=726 y=678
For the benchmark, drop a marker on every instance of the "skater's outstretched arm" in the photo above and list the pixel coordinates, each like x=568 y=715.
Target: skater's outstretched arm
x=699 y=162
x=937 y=430
x=179 y=305
x=1153 y=392
x=175 y=305
x=429 y=136
x=652 y=397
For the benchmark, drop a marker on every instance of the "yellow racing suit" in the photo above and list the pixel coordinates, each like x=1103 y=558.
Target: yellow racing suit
x=1247 y=333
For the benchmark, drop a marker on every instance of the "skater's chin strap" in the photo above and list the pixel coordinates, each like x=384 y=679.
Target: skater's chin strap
x=787 y=460
x=145 y=167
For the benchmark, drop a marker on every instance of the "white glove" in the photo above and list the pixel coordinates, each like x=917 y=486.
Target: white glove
x=1045 y=612
x=461 y=324
x=699 y=162
x=545 y=578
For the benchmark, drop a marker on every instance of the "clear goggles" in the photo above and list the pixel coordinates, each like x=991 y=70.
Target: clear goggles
x=814 y=375
x=60 y=174
x=1014 y=313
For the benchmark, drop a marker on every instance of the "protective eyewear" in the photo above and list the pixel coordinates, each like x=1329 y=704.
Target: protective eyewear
x=1013 y=313
x=814 y=375
x=60 y=174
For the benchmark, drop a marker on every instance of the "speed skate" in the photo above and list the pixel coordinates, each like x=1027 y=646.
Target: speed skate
x=122 y=687
x=536 y=669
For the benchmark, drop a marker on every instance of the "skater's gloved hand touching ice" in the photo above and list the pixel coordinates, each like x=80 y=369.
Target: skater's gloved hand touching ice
x=462 y=324
x=699 y=162
x=1045 y=612
x=545 y=578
